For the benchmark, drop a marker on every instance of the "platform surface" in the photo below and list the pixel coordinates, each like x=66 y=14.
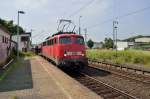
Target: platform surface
x=38 y=79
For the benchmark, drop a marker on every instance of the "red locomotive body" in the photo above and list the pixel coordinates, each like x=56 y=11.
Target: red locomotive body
x=65 y=50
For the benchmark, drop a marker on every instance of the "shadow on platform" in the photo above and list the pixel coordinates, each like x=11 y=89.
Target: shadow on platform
x=19 y=78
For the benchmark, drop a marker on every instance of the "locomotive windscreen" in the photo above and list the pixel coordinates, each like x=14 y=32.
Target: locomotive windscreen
x=79 y=40
x=65 y=40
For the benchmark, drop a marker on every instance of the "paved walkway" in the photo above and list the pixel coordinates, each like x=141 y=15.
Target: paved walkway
x=38 y=79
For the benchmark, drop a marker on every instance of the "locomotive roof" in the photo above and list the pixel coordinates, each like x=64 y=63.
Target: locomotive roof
x=59 y=34
x=69 y=35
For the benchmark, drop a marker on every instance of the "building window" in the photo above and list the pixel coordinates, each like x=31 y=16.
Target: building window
x=24 y=38
x=7 y=40
x=3 y=39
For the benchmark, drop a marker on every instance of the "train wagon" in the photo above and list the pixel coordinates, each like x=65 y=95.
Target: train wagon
x=66 y=50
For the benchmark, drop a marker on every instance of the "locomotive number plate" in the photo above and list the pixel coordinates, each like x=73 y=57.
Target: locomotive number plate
x=74 y=53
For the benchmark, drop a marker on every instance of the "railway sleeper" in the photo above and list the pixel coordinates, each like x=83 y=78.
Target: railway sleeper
x=96 y=87
x=98 y=90
x=89 y=83
x=81 y=79
x=85 y=80
x=112 y=95
x=105 y=91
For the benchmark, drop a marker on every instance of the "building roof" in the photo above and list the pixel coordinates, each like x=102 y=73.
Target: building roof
x=4 y=29
x=143 y=37
x=27 y=33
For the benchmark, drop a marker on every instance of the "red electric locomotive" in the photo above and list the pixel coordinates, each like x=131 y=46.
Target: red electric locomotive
x=65 y=49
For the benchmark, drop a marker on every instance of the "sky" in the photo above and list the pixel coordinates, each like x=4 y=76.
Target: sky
x=42 y=16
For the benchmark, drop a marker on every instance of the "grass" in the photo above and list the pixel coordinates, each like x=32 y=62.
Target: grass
x=129 y=56
x=10 y=68
x=27 y=54
x=14 y=97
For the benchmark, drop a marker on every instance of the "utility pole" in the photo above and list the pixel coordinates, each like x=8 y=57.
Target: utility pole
x=79 y=25
x=85 y=30
x=113 y=35
x=31 y=45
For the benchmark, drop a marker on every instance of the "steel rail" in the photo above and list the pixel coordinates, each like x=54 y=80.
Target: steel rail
x=121 y=74
x=109 y=86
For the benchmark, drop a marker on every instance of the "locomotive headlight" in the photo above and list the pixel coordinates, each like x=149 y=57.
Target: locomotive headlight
x=82 y=54
x=65 y=53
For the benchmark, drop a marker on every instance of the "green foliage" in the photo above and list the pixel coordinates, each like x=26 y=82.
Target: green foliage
x=108 y=43
x=130 y=56
x=90 y=43
x=142 y=47
x=10 y=26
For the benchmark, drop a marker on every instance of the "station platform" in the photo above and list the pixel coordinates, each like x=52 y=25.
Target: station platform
x=36 y=78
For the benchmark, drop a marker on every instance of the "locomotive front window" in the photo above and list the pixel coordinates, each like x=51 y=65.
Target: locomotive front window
x=65 y=40
x=79 y=40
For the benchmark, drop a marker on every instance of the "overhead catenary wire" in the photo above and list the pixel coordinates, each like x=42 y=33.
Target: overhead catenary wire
x=40 y=37
x=120 y=17
x=82 y=8
x=71 y=15
x=37 y=35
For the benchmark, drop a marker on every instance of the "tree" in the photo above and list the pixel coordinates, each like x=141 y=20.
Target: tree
x=90 y=43
x=10 y=26
x=108 y=43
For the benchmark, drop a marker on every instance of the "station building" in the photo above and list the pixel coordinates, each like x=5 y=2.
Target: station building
x=4 y=44
x=24 y=43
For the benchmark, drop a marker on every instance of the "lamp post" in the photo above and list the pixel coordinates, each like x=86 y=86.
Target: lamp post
x=79 y=25
x=115 y=23
x=19 y=12
x=115 y=34
x=31 y=35
x=85 y=30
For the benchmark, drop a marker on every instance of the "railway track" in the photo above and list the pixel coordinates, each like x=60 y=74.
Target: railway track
x=124 y=74
x=99 y=87
x=104 y=90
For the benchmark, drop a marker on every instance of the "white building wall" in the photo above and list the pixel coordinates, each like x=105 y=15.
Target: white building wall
x=122 y=45
x=3 y=46
x=14 y=38
x=97 y=45
x=20 y=44
x=143 y=40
